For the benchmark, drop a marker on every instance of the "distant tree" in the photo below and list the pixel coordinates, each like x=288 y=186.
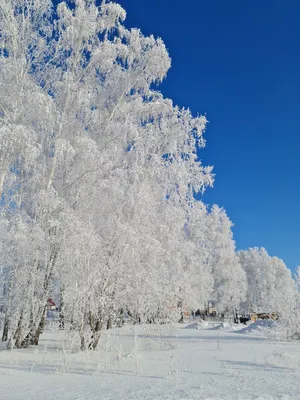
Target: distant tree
x=229 y=278
x=270 y=284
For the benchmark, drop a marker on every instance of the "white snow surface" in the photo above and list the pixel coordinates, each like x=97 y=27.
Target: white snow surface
x=197 y=325
x=261 y=326
x=224 y=326
x=154 y=362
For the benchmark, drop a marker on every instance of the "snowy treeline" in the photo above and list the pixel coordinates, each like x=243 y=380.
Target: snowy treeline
x=98 y=176
x=270 y=286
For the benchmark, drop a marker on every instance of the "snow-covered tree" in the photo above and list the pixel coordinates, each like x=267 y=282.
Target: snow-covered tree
x=98 y=169
x=270 y=284
x=229 y=277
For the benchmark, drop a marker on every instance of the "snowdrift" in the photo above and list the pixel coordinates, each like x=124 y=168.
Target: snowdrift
x=197 y=325
x=222 y=326
x=259 y=327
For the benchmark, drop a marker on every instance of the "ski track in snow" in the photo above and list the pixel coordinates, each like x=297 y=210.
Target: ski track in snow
x=163 y=363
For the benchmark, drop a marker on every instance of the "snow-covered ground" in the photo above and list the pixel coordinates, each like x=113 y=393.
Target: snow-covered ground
x=156 y=362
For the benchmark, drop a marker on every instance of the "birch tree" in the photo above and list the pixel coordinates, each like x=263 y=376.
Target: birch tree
x=229 y=277
x=270 y=285
x=98 y=169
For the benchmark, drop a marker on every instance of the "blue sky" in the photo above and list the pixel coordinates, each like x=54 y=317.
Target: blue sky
x=239 y=63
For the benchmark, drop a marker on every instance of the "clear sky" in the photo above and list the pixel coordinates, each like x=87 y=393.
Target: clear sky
x=238 y=62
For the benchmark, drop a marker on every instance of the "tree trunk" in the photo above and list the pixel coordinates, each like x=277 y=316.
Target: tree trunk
x=82 y=342
x=40 y=329
x=5 y=329
x=94 y=340
x=61 y=312
x=2 y=179
x=96 y=326
x=17 y=336
x=109 y=323
x=28 y=339
x=35 y=333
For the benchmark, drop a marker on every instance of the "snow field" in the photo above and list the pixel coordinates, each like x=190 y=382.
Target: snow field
x=154 y=362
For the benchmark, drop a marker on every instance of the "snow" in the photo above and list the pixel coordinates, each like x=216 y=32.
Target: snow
x=155 y=362
x=197 y=325
x=259 y=327
x=224 y=326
